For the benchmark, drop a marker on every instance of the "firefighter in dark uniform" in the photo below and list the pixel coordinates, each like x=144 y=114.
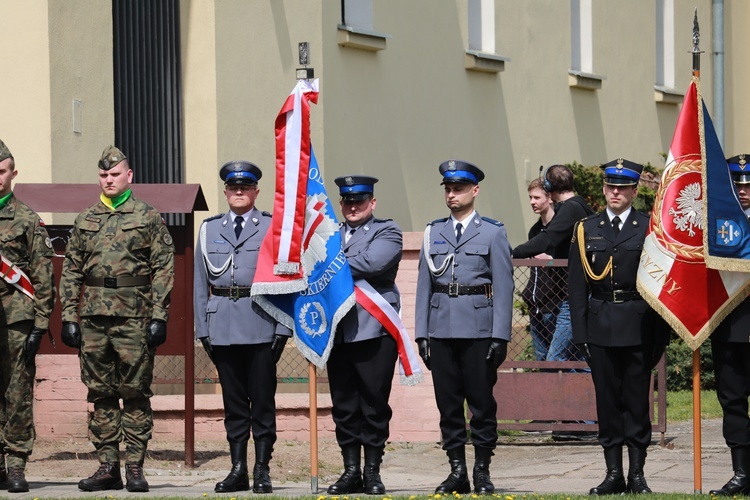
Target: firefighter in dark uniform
x=242 y=340
x=463 y=314
x=620 y=336
x=730 y=346
x=364 y=354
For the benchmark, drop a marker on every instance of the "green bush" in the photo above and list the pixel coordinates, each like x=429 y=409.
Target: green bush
x=680 y=366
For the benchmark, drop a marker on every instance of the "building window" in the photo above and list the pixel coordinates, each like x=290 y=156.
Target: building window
x=664 y=89
x=357 y=14
x=356 y=29
x=581 y=74
x=481 y=54
x=482 y=25
x=147 y=89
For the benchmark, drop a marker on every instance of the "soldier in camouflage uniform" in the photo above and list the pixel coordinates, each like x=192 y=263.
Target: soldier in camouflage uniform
x=121 y=250
x=25 y=247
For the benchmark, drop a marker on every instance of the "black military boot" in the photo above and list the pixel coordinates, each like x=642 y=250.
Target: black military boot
x=237 y=480
x=482 y=483
x=135 y=480
x=636 y=479
x=17 y=480
x=351 y=480
x=740 y=482
x=106 y=477
x=371 y=473
x=458 y=480
x=261 y=470
x=614 y=481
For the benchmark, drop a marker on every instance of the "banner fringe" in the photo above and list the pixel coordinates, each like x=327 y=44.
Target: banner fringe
x=412 y=380
x=280 y=288
x=286 y=268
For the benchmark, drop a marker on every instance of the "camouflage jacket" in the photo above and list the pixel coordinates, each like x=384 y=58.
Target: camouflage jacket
x=130 y=241
x=24 y=241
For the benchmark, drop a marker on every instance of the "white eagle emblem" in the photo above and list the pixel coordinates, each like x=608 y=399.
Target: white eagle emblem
x=319 y=226
x=689 y=213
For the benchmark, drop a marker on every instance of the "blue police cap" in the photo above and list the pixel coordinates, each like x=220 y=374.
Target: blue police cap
x=355 y=187
x=739 y=169
x=240 y=172
x=622 y=172
x=460 y=171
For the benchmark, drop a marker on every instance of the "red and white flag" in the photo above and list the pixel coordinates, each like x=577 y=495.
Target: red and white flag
x=672 y=275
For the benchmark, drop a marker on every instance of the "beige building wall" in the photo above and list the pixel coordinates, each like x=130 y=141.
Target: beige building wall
x=394 y=113
x=25 y=124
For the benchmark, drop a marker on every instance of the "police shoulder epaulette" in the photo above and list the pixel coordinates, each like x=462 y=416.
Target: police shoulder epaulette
x=437 y=220
x=217 y=216
x=493 y=221
x=382 y=220
x=265 y=214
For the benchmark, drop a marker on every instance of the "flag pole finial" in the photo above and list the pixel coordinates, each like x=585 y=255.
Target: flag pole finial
x=304 y=73
x=696 y=46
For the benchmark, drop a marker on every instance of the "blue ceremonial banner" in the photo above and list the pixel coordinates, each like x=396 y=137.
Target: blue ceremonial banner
x=727 y=235
x=314 y=313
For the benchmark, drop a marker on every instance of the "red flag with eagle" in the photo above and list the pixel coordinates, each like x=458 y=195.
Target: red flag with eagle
x=672 y=276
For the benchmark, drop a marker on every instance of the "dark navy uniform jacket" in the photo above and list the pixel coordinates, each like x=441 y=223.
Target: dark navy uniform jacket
x=604 y=322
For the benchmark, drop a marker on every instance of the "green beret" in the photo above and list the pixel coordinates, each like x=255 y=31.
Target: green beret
x=111 y=156
x=4 y=152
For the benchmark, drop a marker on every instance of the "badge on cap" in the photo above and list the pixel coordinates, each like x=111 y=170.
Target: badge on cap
x=452 y=165
x=349 y=181
x=742 y=162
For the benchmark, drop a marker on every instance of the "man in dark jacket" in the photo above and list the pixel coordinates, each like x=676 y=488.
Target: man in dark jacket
x=730 y=347
x=621 y=337
x=558 y=181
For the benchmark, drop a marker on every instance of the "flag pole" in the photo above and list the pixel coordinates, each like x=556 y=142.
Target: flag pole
x=313 y=390
x=697 y=474
x=307 y=73
x=697 y=470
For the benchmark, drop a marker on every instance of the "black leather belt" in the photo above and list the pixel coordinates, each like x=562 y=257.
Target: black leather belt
x=234 y=292
x=617 y=296
x=454 y=289
x=118 y=281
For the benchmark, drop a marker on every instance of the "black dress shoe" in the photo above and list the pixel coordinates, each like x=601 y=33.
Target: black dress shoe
x=262 y=478
x=349 y=482
x=614 y=483
x=738 y=485
x=236 y=480
x=637 y=483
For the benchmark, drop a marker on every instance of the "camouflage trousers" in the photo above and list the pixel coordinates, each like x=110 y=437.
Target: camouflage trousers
x=16 y=395
x=116 y=364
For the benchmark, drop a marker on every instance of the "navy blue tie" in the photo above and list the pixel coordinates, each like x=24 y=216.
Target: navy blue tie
x=459 y=231
x=616 y=225
x=238 y=226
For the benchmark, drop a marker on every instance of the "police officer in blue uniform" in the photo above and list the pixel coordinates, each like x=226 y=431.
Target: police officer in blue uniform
x=364 y=354
x=621 y=337
x=244 y=342
x=730 y=348
x=463 y=314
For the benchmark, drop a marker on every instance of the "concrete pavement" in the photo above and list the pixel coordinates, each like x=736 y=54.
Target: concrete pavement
x=525 y=464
